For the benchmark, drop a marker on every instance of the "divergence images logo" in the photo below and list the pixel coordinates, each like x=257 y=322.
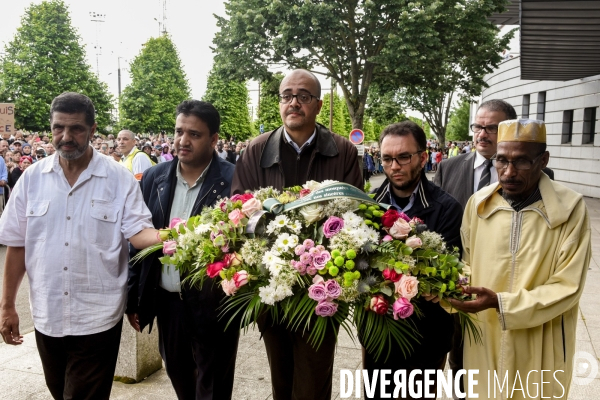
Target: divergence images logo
x=585 y=368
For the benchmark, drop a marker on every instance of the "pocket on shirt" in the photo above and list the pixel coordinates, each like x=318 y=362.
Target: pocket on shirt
x=37 y=220
x=104 y=218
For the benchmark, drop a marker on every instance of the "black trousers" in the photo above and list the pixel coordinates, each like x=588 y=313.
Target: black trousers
x=397 y=362
x=456 y=354
x=80 y=367
x=201 y=365
x=298 y=371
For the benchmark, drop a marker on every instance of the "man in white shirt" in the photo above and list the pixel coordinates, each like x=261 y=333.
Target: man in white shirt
x=68 y=206
x=134 y=159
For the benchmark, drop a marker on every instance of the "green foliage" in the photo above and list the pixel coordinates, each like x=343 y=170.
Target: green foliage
x=393 y=42
x=158 y=85
x=423 y=125
x=342 y=125
x=268 y=108
x=230 y=98
x=44 y=59
x=458 y=126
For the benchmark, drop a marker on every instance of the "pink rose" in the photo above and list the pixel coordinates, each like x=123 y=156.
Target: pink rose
x=414 y=242
x=402 y=308
x=304 y=192
x=175 y=222
x=241 y=197
x=333 y=289
x=391 y=275
x=321 y=259
x=317 y=291
x=326 y=308
x=223 y=206
x=169 y=247
x=236 y=216
x=251 y=206
x=240 y=278
x=229 y=287
x=213 y=269
x=407 y=286
x=400 y=229
x=332 y=226
x=387 y=238
x=379 y=304
x=232 y=259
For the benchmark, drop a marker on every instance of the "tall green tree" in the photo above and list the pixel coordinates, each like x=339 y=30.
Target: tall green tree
x=158 y=85
x=268 y=104
x=44 y=59
x=458 y=126
x=396 y=42
x=342 y=125
x=231 y=99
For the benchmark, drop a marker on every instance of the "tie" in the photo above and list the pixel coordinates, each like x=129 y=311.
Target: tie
x=486 y=175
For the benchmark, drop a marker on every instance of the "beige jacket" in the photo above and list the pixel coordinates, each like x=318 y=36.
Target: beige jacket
x=536 y=260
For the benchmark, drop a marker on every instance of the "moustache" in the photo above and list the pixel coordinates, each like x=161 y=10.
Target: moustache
x=510 y=182
x=61 y=144
x=484 y=141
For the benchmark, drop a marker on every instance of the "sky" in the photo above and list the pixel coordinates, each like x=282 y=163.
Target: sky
x=129 y=24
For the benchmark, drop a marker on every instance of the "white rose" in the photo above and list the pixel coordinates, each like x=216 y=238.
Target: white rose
x=312 y=213
x=312 y=185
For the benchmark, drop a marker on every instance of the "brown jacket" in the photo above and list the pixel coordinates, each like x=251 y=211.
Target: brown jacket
x=260 y=165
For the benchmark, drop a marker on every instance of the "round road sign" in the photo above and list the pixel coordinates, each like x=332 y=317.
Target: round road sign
x=356 y=136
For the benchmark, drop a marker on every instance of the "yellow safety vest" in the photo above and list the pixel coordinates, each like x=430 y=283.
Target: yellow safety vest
x=128 y=161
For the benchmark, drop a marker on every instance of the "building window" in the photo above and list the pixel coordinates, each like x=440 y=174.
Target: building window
x=567 y=126
x=541 y=105
x=525 y=107
x=589 y=125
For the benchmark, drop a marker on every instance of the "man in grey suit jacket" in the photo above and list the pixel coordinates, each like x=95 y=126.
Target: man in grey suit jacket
x=460 y=176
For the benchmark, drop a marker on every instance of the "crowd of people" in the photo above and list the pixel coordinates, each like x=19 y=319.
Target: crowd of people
x=526 y=300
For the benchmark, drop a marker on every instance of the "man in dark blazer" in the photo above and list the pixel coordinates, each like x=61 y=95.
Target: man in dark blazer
x=460 y=176
x=199 y=354
x=463 y=175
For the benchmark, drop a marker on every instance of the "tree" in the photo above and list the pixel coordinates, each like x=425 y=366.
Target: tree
x=158 y=85
x=45 y=59
x=231 y=99
x=268 y=104
x=395 y=42
x=342 y=125
x=458 y=126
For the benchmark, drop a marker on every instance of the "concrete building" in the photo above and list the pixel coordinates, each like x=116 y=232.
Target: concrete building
x=570 y=110
x=554 y=75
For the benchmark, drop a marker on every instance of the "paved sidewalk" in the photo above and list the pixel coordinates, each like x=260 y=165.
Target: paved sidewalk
x=21 y=375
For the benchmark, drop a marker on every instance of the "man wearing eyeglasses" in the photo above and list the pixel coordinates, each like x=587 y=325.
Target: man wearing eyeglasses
x=529 y=278
x=292 y=154
x=403 y=158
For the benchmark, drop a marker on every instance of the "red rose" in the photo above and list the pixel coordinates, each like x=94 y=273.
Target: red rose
x=391 y=275
x=379 y=304
x=213 y=269
x=241 y=197
x=389 y=217
x=304 y=192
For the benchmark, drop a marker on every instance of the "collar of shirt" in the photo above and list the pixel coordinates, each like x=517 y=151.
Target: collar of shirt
x=95 y=167
x=289 y=140
x=200 y=179
x=411 y=202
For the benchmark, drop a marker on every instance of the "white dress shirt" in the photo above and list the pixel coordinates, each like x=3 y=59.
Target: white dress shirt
x=75 y=243
x=479 y=167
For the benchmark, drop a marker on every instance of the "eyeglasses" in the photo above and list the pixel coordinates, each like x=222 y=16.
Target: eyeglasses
x=491 y=129
x=401 y=160
x=521 y=164
x=303 y=98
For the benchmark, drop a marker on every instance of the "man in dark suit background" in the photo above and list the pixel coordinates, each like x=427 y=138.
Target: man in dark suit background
x=199 y=354
x=463 y=175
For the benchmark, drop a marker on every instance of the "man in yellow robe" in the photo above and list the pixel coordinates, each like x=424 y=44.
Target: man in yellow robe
x=527 y=242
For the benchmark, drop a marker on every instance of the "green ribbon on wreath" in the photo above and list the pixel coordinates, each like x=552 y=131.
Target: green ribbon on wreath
x=328 y=192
